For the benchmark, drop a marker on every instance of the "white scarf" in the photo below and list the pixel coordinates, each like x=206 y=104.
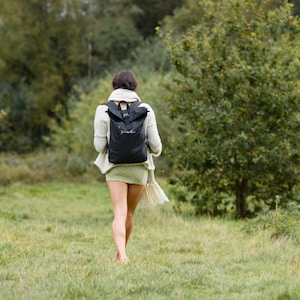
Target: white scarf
x=123 y=95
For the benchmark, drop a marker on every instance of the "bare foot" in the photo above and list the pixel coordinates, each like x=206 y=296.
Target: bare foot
x=116 y=258
x=122 y=260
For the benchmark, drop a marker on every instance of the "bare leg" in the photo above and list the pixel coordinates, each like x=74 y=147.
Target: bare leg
x=118 y=192
x=134 y=194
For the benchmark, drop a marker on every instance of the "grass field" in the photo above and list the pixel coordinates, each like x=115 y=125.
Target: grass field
x=56 y=243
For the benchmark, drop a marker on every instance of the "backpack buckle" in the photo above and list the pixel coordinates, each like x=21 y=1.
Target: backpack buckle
x=124 y=109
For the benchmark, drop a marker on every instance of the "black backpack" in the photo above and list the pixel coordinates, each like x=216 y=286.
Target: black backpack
x=127 y=133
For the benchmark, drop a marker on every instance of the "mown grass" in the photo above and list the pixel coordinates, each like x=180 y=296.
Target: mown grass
x=56 y=243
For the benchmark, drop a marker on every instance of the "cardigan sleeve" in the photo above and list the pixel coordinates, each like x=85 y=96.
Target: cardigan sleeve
x=101 y=129
x=154 y=141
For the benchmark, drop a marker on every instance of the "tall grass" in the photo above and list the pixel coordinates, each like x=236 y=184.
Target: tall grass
x=56 y=243
x=46 y=165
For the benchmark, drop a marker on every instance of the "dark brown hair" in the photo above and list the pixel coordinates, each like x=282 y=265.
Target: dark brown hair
x=124 y=80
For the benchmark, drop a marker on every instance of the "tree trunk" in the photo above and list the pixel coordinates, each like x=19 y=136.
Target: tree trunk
x=241 y=191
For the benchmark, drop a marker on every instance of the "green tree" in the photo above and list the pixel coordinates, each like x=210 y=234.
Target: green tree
x=235 y=100
x=296 y=8
x=41 y=54
x=190 y=12
x=55 y=43
x=111 y=34
x=152 y=12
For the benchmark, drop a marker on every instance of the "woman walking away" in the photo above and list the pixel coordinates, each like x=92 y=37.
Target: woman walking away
x=125 y=157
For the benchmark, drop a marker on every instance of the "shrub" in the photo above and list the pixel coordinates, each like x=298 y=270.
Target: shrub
x=282 y=223
x=235 y=101
x=45 y=165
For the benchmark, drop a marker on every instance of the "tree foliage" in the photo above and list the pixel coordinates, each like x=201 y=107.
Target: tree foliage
x=41 y=54
x=189 y=13
x=111 y=34
x=152 y=13
x=296 y=7
x=47 y=47
x=235 y=100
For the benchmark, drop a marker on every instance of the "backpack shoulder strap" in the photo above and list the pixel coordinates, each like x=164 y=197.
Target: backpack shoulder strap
x=137 y=111
x=111 y=104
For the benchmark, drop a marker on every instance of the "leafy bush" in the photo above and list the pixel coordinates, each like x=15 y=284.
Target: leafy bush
x=282 y=223
x=75 y=166
x=45 y=165
x=235 y=101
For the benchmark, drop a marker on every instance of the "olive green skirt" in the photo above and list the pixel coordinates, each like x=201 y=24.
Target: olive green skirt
x=134 y=174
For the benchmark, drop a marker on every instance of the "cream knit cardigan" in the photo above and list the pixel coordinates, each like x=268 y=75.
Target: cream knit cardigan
x=102 y=132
